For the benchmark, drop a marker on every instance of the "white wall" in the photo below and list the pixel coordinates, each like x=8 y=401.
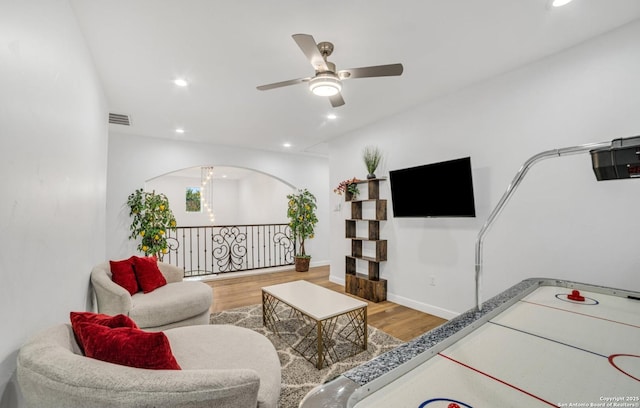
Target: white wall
x=227 y=208
x=255 y=198
x=561 y=223
x=165 y=156
x=174 y=187
x=264 y=200
x=53 y=136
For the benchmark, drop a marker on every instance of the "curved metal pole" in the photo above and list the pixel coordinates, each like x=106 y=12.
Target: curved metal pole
x=507 y=194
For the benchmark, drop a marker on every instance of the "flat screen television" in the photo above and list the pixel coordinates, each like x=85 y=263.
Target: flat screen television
x=443 y=189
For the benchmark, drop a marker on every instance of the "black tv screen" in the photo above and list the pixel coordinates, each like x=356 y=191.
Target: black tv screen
x=443 y=189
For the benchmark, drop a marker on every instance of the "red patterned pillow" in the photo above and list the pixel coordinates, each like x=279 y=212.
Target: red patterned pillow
x=123 y=274
x=148 y=274
x=78 y=318
x=128 y=346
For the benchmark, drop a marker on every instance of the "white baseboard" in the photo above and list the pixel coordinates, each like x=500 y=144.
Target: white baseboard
x=318 y=263
x=335 y=279
x=423 y=307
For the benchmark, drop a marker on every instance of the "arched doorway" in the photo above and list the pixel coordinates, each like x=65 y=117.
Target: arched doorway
x=229 y=219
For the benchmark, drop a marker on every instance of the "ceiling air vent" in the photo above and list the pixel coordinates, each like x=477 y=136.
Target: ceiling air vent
x=119 y=119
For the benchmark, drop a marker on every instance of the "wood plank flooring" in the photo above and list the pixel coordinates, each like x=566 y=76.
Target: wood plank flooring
x=399 y=321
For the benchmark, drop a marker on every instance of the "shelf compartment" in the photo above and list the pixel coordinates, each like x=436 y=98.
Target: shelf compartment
x=373 y=267
x=373 y=229
x=372 y=186
x=380 y=213
x=350 y=265
x=378 y=252
x=373 y=290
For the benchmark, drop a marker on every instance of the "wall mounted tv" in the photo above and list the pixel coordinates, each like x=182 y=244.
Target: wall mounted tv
x=443 y=189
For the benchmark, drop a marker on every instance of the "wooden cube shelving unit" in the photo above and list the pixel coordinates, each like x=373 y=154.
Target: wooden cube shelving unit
x=368 y=286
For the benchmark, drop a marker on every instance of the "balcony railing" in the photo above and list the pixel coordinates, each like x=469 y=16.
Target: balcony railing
x=212 y=250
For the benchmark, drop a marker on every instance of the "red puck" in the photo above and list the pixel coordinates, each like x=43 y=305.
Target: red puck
x=453 y=405
x=575 y=295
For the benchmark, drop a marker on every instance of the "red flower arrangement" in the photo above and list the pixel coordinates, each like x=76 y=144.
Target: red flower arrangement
x=347 y=186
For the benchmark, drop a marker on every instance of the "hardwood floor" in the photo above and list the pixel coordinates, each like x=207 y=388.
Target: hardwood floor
x=398 y=321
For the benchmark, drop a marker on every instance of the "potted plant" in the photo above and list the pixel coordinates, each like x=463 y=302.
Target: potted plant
x=152 y=217
x=372 y=157
x=349 y=188
x=302 y=220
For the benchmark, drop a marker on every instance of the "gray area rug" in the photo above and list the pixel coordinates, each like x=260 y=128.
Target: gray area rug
x=299 y=376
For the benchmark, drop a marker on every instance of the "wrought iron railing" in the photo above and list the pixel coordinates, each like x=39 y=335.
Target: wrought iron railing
x=213 y=250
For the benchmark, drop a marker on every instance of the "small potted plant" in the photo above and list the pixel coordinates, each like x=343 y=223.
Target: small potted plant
x=372 y=157
x=302 y=220
x=349 y=188
x=152 y=217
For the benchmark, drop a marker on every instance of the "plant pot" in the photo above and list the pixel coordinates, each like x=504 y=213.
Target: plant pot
x=302 y=263
x=371 y=176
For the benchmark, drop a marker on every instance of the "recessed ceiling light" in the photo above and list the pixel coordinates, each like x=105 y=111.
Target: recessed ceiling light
x=180 y=82
x=286 y=144
x=180 y=130
x=331 y=116
x=560 y=3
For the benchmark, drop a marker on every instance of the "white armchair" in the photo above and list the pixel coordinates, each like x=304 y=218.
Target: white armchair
x=178 y=303
x=222 y=367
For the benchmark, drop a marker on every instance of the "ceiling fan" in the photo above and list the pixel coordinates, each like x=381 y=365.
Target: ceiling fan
x=327 y=81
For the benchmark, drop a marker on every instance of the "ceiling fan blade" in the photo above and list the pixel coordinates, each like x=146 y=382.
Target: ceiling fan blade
x=374 y=71
x=336 y=100
x=310 y=48
x=283 y=83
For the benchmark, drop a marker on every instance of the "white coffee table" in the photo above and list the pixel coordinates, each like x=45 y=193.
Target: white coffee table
x=322 y=314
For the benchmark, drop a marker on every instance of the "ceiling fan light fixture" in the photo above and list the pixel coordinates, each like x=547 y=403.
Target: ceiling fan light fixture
x=325 y=85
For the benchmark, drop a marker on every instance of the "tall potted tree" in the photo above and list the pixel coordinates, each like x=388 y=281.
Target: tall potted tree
x=152 y=217
x=302 y=220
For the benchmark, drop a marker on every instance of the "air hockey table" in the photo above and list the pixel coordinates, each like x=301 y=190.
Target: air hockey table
x=542 y=342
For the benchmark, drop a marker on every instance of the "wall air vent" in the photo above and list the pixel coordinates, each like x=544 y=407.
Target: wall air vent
x=119 y=119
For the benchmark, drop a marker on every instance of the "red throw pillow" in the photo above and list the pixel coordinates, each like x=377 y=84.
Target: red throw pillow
x=148 y=274
x=128 y=346
x=77 y=318
x=123 y=274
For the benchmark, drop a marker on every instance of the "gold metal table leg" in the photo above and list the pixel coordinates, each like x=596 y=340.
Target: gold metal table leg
x=353 y=330
x=320 y=346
